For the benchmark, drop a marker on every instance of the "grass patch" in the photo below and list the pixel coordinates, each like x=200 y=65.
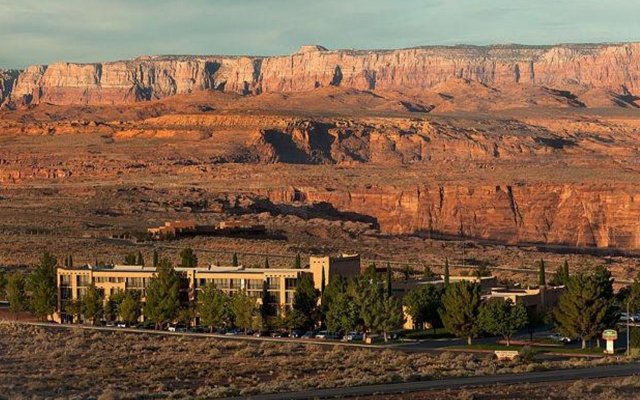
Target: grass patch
x=438 y=333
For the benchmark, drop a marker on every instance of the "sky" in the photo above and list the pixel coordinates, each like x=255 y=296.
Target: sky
x=46 y=31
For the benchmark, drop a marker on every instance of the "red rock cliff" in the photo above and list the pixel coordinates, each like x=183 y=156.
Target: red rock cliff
x=608 y=66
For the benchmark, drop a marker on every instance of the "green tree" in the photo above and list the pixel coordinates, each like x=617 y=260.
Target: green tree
x=156 y=258
x=266 y=263
x=185 y=315
x=583 y=310
x=3 y=285
x=446 y=273
x=131 y=307
x=188 y=258
x=634 y=294
x=305 y=301
x=542 y=278
x=111 y=306
x=74 y=307
x=561 y=275
x=130 y=259
x=389 y=316
x=92 y=304
x=427 y=274
x=243 y=308
x=460 y=307
x=407 y=271
x=339 y=309
x=139 y=259
x=323 y=282
x=16 y=295
x=41 y=287
x=213 y=307
x=163 y=295
x=502 y=317
x=388 y=282
x=234 y=260
x=266 y=304
x=298 y=262
x=423 y=304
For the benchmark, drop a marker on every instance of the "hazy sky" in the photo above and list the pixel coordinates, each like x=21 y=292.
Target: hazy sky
x=45 y=31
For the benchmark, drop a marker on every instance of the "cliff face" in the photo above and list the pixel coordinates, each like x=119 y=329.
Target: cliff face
x=614 y=67
x=572 y=215
x=7 y=78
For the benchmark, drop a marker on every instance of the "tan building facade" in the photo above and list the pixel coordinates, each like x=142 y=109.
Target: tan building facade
x=73 y=283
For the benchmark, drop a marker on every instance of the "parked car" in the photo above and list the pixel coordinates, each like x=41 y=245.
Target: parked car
x=220 y=331
x=177 y=328
x=624 y=317
x=326 y=335
x=197 y=329
x=353 y=337
x=296 y=333
x=559 y=338
x=110 y=324
x=233 y=332
x=262 y=333
x=121 y=324
x=309 y=335
x=279 y=334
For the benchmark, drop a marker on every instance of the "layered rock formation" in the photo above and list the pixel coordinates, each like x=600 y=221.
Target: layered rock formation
x=572 y=215
x=614 y=67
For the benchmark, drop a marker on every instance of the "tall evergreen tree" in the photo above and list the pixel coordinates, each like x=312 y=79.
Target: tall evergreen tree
x=460 y=308
x=446 y=273
x=266 y=306
x=583 y=310
x=266 y=263
x=3 y=285
x=156 y=258
x=322 y=282
x=188 y=258
x=15 y=292
x=234 y=260
x=305 y=302
x=542 y=278
x=41 y=287
x=423 y=304
x=634 y=294
x=298 y=262
x=388 y=281
x=561 y=276
x=163 y=295
x=213 y=307
x=140 y=259
x=502 y=317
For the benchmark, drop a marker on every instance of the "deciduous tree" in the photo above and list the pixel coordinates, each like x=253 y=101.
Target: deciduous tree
x=188 y=258
x=130 y=308
x=244 y=310
x=502 y=317
x=423 y=304
x=15 y=290
x=213 y=307
x=92 y=304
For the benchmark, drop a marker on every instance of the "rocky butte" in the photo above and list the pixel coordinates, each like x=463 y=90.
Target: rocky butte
x=613 y=67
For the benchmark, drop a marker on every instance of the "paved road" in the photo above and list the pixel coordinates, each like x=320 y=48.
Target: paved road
x=456 y=383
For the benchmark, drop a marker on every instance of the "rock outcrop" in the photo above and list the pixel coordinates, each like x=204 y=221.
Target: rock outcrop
x=573 y=215
x=7 y=78
x=614 y=67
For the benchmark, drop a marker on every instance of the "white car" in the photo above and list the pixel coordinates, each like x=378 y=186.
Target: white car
x=353 y=336
x=624 y=317
x=559 y=338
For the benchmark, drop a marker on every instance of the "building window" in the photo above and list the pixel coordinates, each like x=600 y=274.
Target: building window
x=273 y=283
x=65 y=280
x=290 y=283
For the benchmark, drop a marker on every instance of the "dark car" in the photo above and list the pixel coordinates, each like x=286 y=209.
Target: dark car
x=279 y=334
x=309 y=335
x=262 y=333
x=296 y=333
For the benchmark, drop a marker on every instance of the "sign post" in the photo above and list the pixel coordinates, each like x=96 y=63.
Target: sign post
x=610 y=335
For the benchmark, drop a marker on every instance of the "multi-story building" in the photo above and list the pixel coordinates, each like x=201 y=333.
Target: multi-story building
x=281 y=283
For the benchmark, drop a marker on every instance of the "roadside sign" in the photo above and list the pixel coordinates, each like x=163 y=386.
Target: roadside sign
x=610 y=334
x=506 y=355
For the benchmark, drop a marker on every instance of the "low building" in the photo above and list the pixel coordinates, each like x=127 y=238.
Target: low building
x=172 y=228
x=538 y=299
x=281 y=283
